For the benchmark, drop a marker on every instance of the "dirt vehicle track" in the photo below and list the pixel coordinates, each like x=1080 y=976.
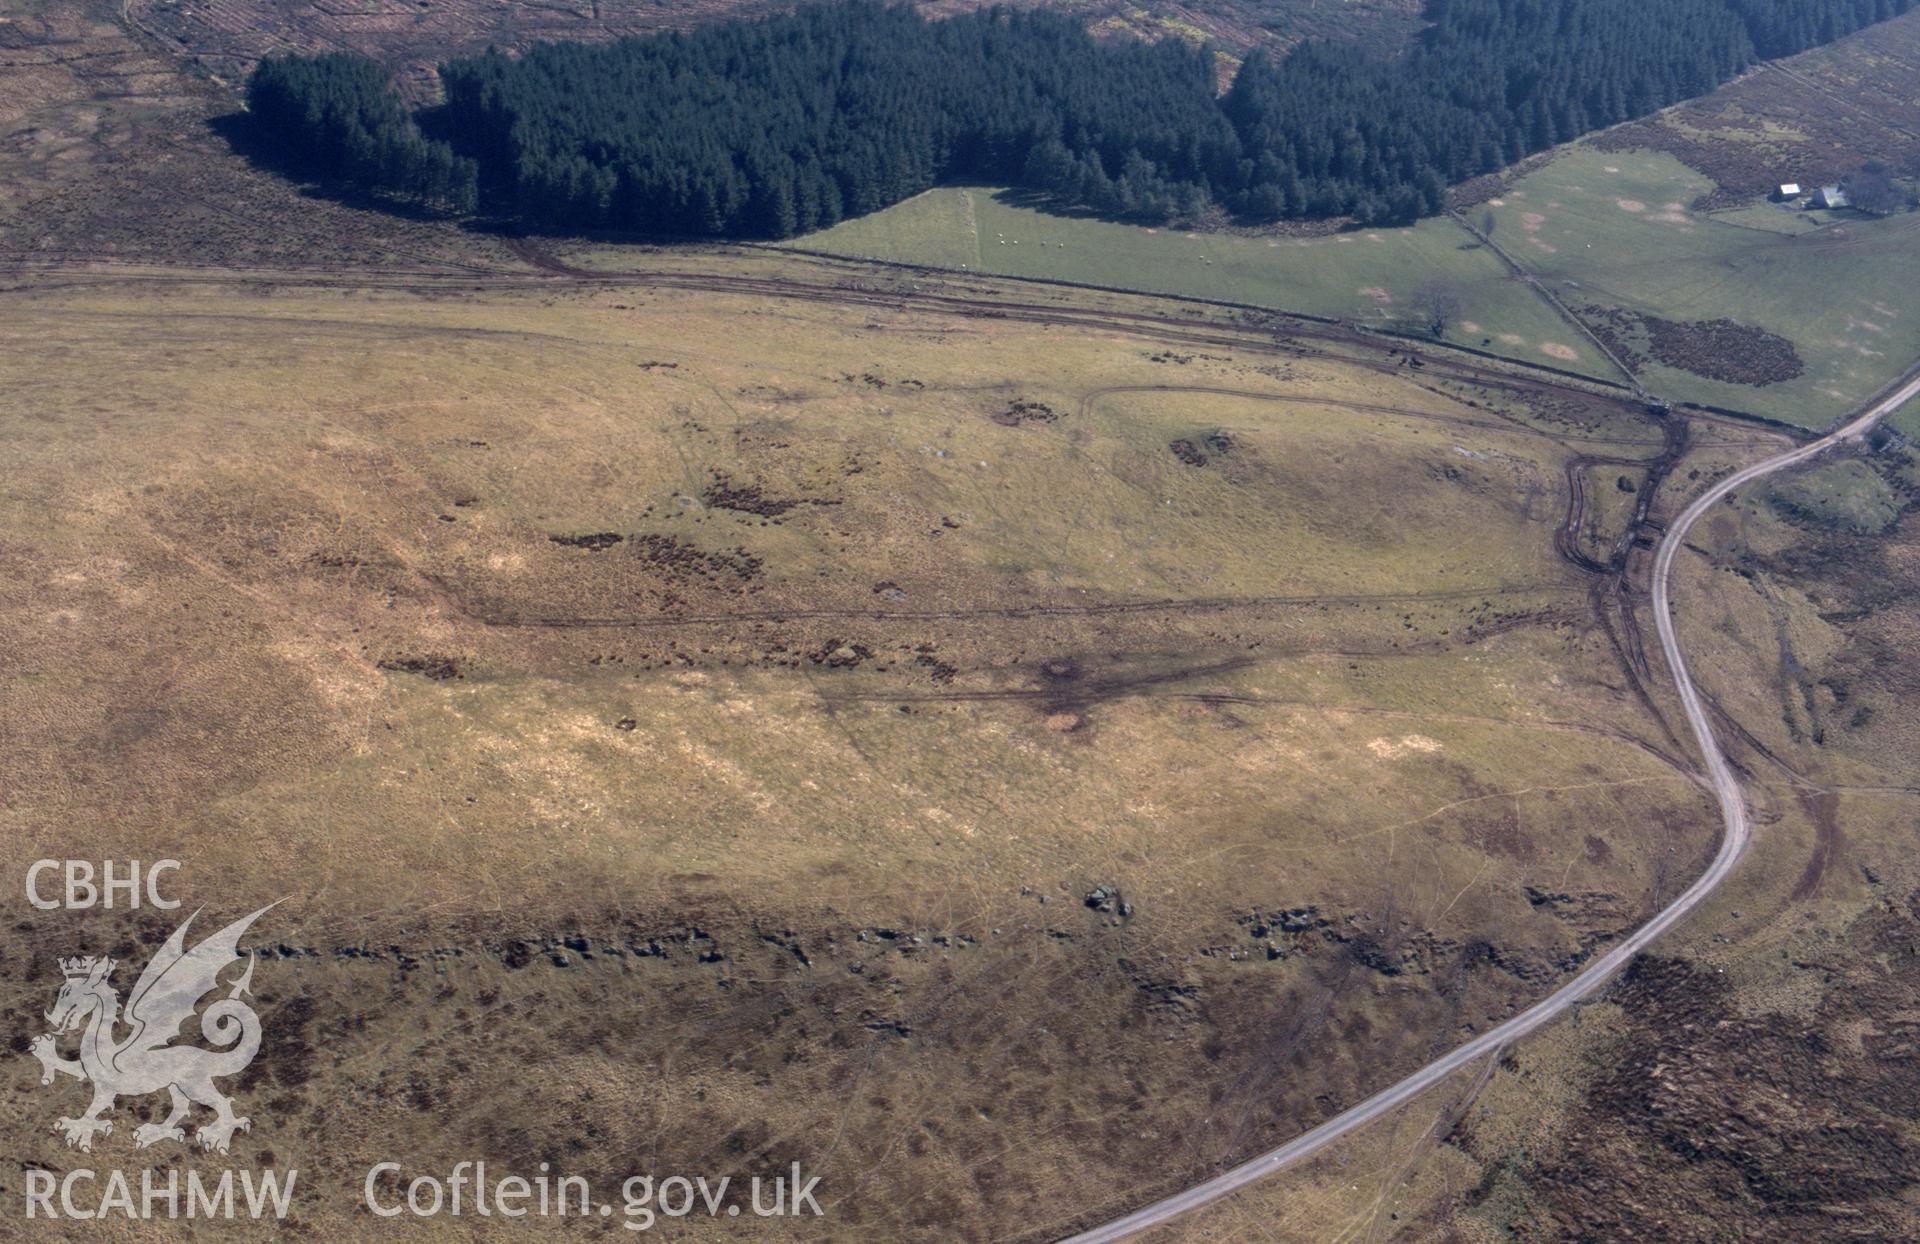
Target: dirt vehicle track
x=1566 y=538
x=1259 y=329
x=1273 y=335
x=1201 y=604
x=1404 y=412
x=1738 y=829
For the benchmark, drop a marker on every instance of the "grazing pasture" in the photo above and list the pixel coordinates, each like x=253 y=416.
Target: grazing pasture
x=1800 y=325
x=1379 y=277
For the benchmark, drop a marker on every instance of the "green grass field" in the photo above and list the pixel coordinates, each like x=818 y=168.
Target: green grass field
x=1603 y=229
x=1369 y=276
x=1614 y=229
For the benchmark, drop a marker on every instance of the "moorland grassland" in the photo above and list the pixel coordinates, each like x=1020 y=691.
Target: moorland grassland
x=758 y=668
x=1011 y=748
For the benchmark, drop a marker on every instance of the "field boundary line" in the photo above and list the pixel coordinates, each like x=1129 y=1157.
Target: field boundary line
x=1331 y=321
x=1552 y=300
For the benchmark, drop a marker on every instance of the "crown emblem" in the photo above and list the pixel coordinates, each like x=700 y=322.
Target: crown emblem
x=79 y=968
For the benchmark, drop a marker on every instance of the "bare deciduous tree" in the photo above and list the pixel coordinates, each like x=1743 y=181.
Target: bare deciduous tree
x=1435 y=304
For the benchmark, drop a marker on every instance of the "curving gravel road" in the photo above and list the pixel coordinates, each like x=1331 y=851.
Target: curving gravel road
x=1733 y=841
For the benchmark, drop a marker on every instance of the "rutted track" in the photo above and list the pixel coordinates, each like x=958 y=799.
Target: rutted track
x=1400 y=412
x=1609 y=589
x=1733 y=842
x=1566 y=538
x=1259 y=329
x=1274 y=334
x=1198 y=604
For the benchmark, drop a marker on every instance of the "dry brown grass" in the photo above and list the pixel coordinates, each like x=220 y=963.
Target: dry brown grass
x=1753 y=1078
x=975 y=662
x=761 y=833
x=227 y=37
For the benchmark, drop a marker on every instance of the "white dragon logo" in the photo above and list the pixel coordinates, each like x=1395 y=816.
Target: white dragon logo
x=164 y=998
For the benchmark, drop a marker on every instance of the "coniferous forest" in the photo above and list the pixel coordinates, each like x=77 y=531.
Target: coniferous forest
x=775 y=127
x=339 y=118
